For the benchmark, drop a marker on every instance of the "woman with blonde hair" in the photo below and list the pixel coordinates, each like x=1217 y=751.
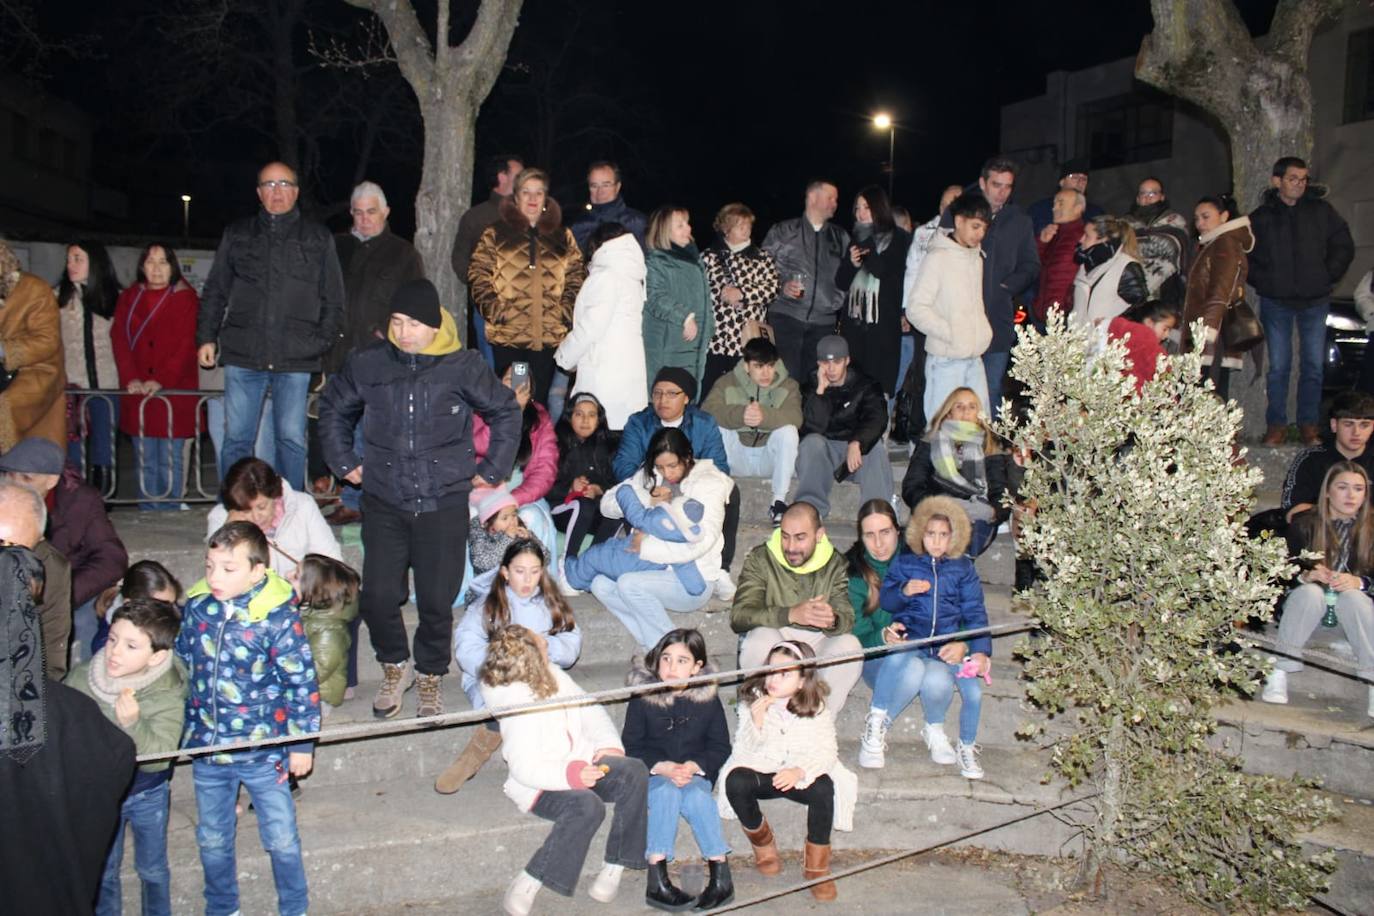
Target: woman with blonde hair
x=1111 y=278
x=678 y=321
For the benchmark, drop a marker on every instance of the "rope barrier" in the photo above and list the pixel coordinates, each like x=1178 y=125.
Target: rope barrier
x=394 y=727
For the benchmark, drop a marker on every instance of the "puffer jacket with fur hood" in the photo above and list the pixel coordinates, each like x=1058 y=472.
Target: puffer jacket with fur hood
x=955 y=599
x=1216 y=280
x=676 y=725
x=524 y=279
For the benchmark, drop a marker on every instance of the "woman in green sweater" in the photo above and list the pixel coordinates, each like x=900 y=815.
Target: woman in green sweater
x=869 y=556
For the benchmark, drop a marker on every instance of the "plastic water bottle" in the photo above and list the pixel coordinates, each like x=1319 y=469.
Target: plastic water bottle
x=1329 y=618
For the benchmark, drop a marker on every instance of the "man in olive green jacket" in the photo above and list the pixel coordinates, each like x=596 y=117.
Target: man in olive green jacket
x=759 y=410
x=795 y=586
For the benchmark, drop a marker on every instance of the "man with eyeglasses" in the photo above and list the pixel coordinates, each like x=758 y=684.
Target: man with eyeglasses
x=605 y=205
x=1162 y=235
x=271 y=309
x=376 y=262
x=1302 y=249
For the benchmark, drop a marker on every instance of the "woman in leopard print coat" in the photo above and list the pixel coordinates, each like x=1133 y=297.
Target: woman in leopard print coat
x=743 y=280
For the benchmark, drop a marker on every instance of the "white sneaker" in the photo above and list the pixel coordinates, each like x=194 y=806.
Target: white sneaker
x=519 y=899
x=607 y=883
x=1275 y=687
x=968 y=761
x=874 y=742
x=725 y=587
x=1370 y=710
x=1343 y=647
x=940 y=750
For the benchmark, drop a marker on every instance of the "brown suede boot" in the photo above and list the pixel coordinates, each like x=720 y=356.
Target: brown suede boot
x=1275 y=435
x=766 y=858
x=816 y=864
x=1310 y=434
x=481 y=746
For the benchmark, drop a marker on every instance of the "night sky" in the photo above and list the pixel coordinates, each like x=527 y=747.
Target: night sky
x=701 y=104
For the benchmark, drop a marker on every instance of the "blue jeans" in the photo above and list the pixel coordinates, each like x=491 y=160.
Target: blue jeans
x=217 y=787
x=479 y=327
x=946 y=373
x=89 y=633
x=695 y=804
x=638 y=600
x=903 y=676
x=244 y=393
x=102 y=413
x=160 y=472
x=214 y=425
x=995 y=364
x=146 y=813
x=1278 y=320
x=558 y=394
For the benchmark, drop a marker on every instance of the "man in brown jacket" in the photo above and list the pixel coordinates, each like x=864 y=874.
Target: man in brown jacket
x=499 y=173
x=31 y=400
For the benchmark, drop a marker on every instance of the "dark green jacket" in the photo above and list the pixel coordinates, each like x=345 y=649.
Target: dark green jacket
x=769 y=588
x=675 y=288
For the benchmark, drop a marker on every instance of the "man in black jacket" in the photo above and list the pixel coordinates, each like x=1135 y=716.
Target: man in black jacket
x=500 y=172
x=420 y=391
x=272 y=307
x=1302 y=248
x=844 y=414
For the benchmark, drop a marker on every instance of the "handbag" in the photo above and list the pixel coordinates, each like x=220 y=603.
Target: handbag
x=1241 y=330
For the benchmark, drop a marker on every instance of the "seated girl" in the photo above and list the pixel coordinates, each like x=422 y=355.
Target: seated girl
x=520 y=590
x=328 y=592
x=566 y=765
x=536 y=462
x=585 y=449
x=932 y=591
x=959 y=457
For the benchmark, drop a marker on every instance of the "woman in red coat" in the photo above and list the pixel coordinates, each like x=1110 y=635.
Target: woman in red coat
x=154 y=340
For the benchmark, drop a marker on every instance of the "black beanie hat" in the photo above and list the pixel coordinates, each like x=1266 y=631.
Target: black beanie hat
x=679 y=377
x=417 y=299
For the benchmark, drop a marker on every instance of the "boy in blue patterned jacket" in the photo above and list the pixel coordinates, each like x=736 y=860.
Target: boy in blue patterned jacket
x=251 y=677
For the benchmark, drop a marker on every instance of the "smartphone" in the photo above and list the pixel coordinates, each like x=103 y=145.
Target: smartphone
x=519 y=375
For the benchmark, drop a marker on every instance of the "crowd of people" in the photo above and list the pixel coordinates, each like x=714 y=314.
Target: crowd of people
x=618 y=382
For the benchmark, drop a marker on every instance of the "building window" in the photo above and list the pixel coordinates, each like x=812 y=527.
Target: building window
x=1359 y=76
x=1124 y=129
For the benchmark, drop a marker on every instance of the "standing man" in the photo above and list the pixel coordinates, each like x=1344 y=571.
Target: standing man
x=1011 y=266
x=416 y=468
x=1162 y=235
x=808 y=251
x=272 y=308
x=1056 y=246
x=606 y=206
x=499 y=174
x=1073 y=176
x=375 y=263
x=1302 y=248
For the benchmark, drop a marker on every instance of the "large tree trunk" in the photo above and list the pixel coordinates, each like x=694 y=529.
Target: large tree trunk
x=1201 y=51
x=450 y=83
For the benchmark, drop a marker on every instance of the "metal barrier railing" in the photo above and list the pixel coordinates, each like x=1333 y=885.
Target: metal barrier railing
x=194 y=480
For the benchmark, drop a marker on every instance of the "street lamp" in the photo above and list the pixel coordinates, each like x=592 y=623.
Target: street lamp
x=883 y=121
x=185 y=218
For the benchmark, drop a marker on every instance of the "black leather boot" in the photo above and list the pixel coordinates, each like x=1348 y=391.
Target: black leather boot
x=661 y=893
x=720 y=887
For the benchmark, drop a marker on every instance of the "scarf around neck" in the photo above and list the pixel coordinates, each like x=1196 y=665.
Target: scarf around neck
x=956 y=453
x=863 y=292
x=107 y=689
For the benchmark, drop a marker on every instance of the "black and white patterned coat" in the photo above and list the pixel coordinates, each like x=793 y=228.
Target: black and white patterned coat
x=755 y=272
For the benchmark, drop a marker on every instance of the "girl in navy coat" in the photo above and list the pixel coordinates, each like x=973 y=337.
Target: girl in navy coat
x=930 y=592
x=681 y=735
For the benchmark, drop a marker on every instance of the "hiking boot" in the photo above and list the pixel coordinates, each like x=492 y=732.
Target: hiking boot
x=873 y=744
x=816 y=864
x=396 y=680
x=969 y=768
x=481 y=746
x=1274 y=435
x=940 y=749
x=1275 y=687
x=429 y=691
x=775 y=512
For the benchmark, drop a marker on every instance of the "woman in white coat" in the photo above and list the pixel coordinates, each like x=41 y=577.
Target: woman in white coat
x=253 y=492
x=640 y=600
x=1110 y=276
x=606 y=344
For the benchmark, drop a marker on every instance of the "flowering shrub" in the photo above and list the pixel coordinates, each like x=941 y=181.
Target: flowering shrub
x=1138 y=526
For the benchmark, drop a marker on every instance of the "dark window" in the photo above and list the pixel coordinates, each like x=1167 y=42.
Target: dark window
x=19 y=143
x=1359 y=76
x=1135 y=127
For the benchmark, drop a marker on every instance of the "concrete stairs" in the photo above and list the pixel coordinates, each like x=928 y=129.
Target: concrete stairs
x=378 y=839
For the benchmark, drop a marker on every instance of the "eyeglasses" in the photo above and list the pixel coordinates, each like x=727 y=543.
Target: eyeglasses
x=1149 y=194
x=284 y=184
x=661 y=395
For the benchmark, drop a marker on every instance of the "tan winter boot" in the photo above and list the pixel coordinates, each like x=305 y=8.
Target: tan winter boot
x=396 y=680
x=430 y=693
x=766 y=858
x=481 y=746
x=816 y=864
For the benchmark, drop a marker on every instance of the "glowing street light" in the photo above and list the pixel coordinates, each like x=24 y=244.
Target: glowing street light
x=185 y=217
x=883 y=121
